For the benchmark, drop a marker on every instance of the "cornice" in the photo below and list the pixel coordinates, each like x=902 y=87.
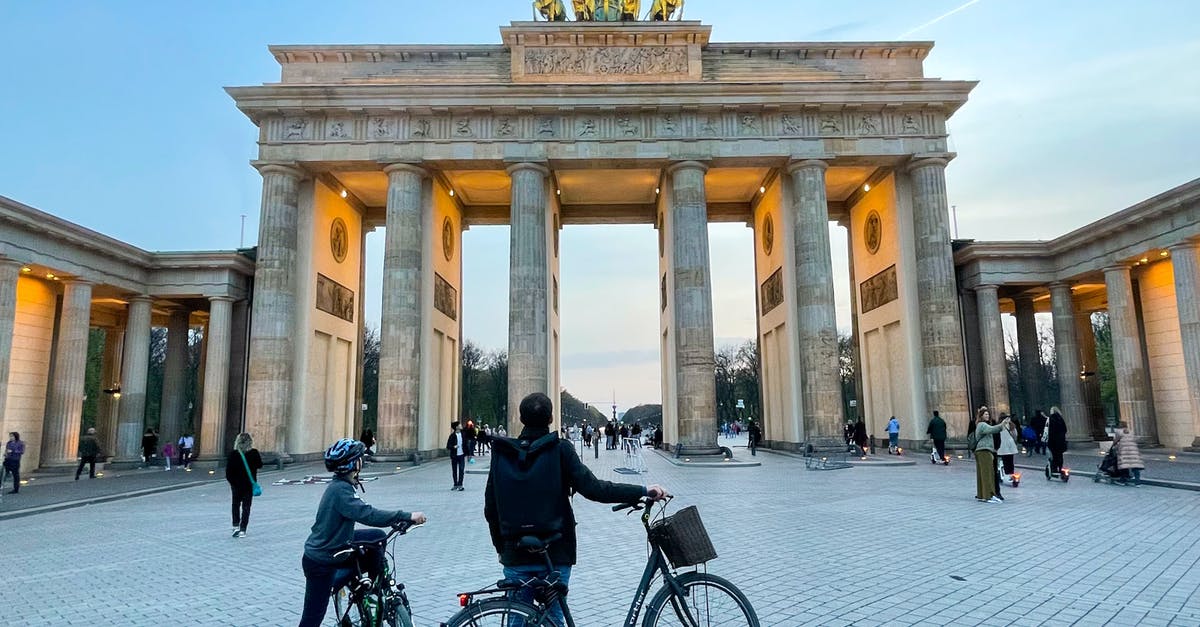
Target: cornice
x=33 y=219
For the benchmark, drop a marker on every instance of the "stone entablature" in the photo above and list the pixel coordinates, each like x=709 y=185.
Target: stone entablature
x=1121 y=238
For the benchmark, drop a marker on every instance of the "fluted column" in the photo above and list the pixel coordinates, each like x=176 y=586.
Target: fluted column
x=1085 y=334
x=937 y=291
x=694 y=357
x=110 y=379
x=1133 y=389
x=1029 y=355
x=855 y=345
x=10 y=271
x=64 y=410
x=216 y=377
x=273 y=319
x=528 y=293
x=135 y=367
x=816 y=313
x=1185 y=264
x=1066 y=355
x=402 y=321
x=174 y=397
x=991 y=340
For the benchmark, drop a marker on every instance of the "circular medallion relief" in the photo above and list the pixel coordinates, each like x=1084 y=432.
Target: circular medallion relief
x=339 y=240
x=448 y=239
x=873 y=232
x=768 y=234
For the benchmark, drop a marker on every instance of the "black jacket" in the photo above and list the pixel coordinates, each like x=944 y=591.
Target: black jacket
x=576 y=478
x=452 y=445
x=235 y=470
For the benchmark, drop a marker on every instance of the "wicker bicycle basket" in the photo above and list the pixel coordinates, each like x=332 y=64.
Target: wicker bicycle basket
x=683 y=538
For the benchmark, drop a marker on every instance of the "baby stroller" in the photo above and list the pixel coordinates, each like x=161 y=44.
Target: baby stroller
x=1108 y=471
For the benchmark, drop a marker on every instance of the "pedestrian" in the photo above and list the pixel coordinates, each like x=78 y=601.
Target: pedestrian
x=241 y=471
x=985 y=458
x=501 y=431
x=1038 y=422
x=89 y=450
x=1007 y=451
x=368 y=440
x=755 y=436
x=168 y=454
x=658 y=437
x=848 y=435
x=1055 y=436
x=149 y=448
x=893 y=430
x=937 y=432
x=470 y=435
x=1129 y=456
x=13 y=450
x=186 y=442
x=860 y=436
x=971 y=439
x=485 y=442
x=457 y=447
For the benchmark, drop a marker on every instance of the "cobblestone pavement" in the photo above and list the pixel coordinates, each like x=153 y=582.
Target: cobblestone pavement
x=864 y=546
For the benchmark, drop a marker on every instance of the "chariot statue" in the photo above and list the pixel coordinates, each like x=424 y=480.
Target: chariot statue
x=607 y=10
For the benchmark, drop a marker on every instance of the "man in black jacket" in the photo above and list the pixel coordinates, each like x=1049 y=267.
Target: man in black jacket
x=536 y=414
x=456 y=444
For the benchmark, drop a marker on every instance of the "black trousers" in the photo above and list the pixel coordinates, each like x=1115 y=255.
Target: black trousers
x=243 y=497
x=321 y=579
x=1009 y=463
x=1056 y=460
x=457 y=468
x=91 y=460
x=14 y=469
x=940 y=447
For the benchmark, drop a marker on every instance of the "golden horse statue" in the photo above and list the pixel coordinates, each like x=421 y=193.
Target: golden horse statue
x=550 y=10
x=607 y=10
x=663 y=10
x=583 y=10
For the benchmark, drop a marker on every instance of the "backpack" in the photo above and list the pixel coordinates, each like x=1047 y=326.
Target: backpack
x=972 y=440
x=527 y=484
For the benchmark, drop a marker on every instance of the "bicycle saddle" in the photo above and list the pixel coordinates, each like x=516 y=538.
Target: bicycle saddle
x=534 y=544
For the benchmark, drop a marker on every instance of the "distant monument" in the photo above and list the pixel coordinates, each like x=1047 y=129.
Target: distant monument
x=607 y=10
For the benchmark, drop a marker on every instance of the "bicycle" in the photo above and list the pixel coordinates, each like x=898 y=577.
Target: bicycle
x=696 y=599
x=359 y=601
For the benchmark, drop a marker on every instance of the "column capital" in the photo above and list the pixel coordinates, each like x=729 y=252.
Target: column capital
x=10 y=263
x=141 y=298
x=1059 y=285
x=803 y=164
x=414 y=167
x=927 y=161
x=1184 y=245
x=286 y=168
x=1117 y=268
x=227 y=299
x=74 y=281
x=1023 y=298
x=987 y=288
x=528 y=165
x=687 y=165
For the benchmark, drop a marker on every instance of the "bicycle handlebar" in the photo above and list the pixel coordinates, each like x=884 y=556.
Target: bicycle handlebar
x=639 y=504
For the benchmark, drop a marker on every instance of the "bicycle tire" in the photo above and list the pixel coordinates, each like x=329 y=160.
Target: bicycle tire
x=498 y=613
x=704 y=591
x=354 y=614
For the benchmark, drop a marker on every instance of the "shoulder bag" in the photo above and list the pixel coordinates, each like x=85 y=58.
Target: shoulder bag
x=255 y=489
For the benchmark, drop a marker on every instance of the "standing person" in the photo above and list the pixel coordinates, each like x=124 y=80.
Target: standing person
x=149 y=447
x=13 y=450
x=1129 y=456
x=657 y=440
x=485 y=441
x=457 y=447
x=168 y=454
x=186 y=442
x=470 y=436
x=937 y=432
x=533 y=496
x=1055 y=436
x=985 y=458
x=89 y=450
x=1007 y=451
x=860 y=436
x=755 y=435
x=241 y=471
x=368 y=440
x=893 y=430
x=333 y=529
x=848 y=435
x=1038 y=422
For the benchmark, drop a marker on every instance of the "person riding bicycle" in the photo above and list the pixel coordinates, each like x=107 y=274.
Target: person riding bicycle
x=529 y=490
x=341 y=506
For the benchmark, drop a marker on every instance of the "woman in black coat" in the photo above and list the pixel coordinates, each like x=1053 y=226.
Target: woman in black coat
x=860 y=435
x=241 y=471
x=1056 y=439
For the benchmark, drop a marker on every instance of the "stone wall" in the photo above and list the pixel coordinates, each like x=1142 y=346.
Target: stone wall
x=29 y=368
x=1164 y=352
x=775 y=271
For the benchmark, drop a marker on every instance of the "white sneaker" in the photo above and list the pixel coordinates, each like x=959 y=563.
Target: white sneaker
x=994 y=500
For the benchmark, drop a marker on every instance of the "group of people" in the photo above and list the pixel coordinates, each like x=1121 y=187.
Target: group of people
x=184 y=448
x=612 y=432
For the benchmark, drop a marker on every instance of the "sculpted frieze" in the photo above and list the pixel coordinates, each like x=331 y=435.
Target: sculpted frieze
x=597 y=60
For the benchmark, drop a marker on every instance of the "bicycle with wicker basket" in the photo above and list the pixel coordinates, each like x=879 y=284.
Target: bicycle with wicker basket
x=691 y=598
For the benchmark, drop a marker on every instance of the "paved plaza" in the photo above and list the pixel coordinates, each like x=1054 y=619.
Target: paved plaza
x=806 y=548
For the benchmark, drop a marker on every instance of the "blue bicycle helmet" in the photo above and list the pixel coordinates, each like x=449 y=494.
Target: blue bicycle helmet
x=341 y=457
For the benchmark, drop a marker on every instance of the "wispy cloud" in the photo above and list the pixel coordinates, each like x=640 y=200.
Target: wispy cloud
x=938 y=19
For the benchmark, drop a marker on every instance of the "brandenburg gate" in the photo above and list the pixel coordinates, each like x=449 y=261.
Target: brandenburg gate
x=568 y=123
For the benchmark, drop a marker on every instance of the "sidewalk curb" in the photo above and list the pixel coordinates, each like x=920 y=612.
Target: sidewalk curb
x=670 y=458
x=857 y=462
x=1158 y=483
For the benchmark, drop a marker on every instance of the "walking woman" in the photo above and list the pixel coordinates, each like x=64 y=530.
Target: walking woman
x=1129 y=457
x=241 y=471
x=985 y=457
x=1056 y=439
x=13 y=451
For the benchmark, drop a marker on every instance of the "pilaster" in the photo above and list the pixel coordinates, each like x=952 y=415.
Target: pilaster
x=1133 y=384
x=991 y=340
x=64 y=411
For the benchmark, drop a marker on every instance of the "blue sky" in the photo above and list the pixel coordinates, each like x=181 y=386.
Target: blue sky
x=112 y=115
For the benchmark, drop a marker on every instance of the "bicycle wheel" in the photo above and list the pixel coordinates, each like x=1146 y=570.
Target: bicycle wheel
x=498 y=613
x=711 y=600
x=358 y=613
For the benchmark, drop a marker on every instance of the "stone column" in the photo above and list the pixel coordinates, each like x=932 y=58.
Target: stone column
x=1187 y=296
x=10 y=271
x=1066 y=354
x=528 y=293
x=991 y=340
x=1028 y=356
x=64 y=409
x=1085 y=334
x=855 y=344
x=937 y=291
x=135 y=368
x=694 y=357
x=816 y=314
x=110 y=379
x=273 y=319
x=216 y=377
x=402 y=318
x=1133 y=389
x=174 y=397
